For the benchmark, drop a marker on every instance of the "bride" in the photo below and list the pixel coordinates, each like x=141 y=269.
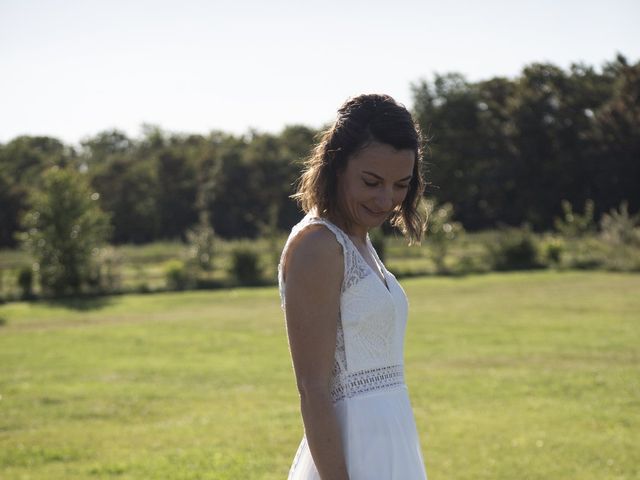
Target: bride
x=345 y=312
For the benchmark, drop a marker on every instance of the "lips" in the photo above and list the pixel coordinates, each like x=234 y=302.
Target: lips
x=377 y=214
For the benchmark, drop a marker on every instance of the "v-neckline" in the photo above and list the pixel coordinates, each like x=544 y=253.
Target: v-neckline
x=384 y=279
x=374 y=256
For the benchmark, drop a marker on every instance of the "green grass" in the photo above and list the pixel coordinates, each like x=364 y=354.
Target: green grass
x=511 y=376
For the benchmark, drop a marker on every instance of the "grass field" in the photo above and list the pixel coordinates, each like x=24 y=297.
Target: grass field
x=511 y=376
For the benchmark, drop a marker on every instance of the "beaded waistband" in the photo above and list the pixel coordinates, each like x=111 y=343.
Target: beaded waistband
x=349 y=385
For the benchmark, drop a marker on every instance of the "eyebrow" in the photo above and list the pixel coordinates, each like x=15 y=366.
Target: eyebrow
x=380 y=178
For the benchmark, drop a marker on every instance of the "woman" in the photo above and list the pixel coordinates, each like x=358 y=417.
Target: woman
x=345 y=312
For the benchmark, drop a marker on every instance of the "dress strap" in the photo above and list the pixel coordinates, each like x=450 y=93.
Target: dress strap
x=341 y=238
x=354 y=268
x=339 y=234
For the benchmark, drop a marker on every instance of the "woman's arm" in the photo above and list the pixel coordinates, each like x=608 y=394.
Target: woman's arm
x=314 y=271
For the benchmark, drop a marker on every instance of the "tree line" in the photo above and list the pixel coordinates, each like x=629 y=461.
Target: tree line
x=501 y=151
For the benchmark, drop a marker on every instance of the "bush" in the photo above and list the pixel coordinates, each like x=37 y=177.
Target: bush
x=25 y=282
x=552 y=249
x=245 y=266
x=441 y=231
x=586 y=254
x=142 y=287
x=514 y=249
x=468 y=263
x=201 y=240
x=62 y=228
x=574 y=225
x=178 y=275
x=104 y=276
x=623 y=258
x=620 y=228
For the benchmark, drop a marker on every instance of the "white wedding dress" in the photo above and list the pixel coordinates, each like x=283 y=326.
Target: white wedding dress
x=368 y=391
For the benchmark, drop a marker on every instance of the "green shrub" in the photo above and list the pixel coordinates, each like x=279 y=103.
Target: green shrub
x=245 y=266
x=572 y=224
x=514 y=249
x=587 y=253
x=25 y=282
x=142 y=287
x=551 y=250
x=620 y=228
x=61 y=230
x=622 y=258
x=441 y=231
x=201 y=243
x=104 y=273
x=468 y=263
x=178 y=275
x=204 y=283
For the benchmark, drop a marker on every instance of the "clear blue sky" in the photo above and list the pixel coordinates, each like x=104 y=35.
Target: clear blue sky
x=74 y=68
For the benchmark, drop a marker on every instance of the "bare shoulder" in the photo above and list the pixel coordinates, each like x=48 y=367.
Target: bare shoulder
x=315 y=249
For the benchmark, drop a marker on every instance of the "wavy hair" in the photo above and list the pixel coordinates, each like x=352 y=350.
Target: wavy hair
x=361 y=120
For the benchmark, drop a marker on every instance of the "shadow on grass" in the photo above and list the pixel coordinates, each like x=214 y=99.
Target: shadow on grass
x=80 y=303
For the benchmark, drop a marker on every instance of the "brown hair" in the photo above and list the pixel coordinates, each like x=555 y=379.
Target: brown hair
x=362 y=120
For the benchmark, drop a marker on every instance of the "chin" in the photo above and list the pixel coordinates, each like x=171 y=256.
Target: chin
x=372 y=219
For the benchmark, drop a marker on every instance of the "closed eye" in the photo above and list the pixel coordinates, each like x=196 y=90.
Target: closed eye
x=375 y=184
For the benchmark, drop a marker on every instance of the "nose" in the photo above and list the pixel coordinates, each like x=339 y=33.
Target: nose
x=384 y=200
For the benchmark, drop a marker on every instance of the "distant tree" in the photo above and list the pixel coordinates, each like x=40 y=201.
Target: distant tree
x=232 y=199
x=22 y=161
x=103 y=146
x=12 y=200
x=177 y=192
x=128 y=189
x=24 y=158
x=507 y=151
x=296 y=142
x=63 y=229
x=616 y=172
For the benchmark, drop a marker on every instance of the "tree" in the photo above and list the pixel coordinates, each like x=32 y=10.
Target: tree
x=617 y=131
x=22 y=162
x=63 y=230
x=12 y=199
x=128 y=189
x=177 y=192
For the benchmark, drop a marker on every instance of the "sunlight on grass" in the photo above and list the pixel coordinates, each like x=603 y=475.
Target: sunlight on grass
x=522 y=375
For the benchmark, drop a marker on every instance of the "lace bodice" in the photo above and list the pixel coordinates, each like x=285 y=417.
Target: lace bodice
x=372 y=321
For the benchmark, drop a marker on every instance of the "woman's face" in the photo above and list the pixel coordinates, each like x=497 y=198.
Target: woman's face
x=374 y=183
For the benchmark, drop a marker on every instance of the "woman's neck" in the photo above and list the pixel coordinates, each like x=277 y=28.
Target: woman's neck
x=358 y=235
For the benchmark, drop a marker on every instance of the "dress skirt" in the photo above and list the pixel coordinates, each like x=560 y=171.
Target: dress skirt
x=379 y=438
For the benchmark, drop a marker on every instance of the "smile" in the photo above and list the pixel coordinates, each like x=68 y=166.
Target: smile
x=377 y=214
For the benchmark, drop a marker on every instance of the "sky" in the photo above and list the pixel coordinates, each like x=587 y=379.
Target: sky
x=71 y=69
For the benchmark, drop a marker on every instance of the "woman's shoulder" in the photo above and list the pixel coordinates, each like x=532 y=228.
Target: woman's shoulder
x=316 y=240
x=314 y=248
x=315 y=228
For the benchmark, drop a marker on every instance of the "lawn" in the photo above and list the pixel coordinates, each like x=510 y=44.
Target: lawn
x=511 y=376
